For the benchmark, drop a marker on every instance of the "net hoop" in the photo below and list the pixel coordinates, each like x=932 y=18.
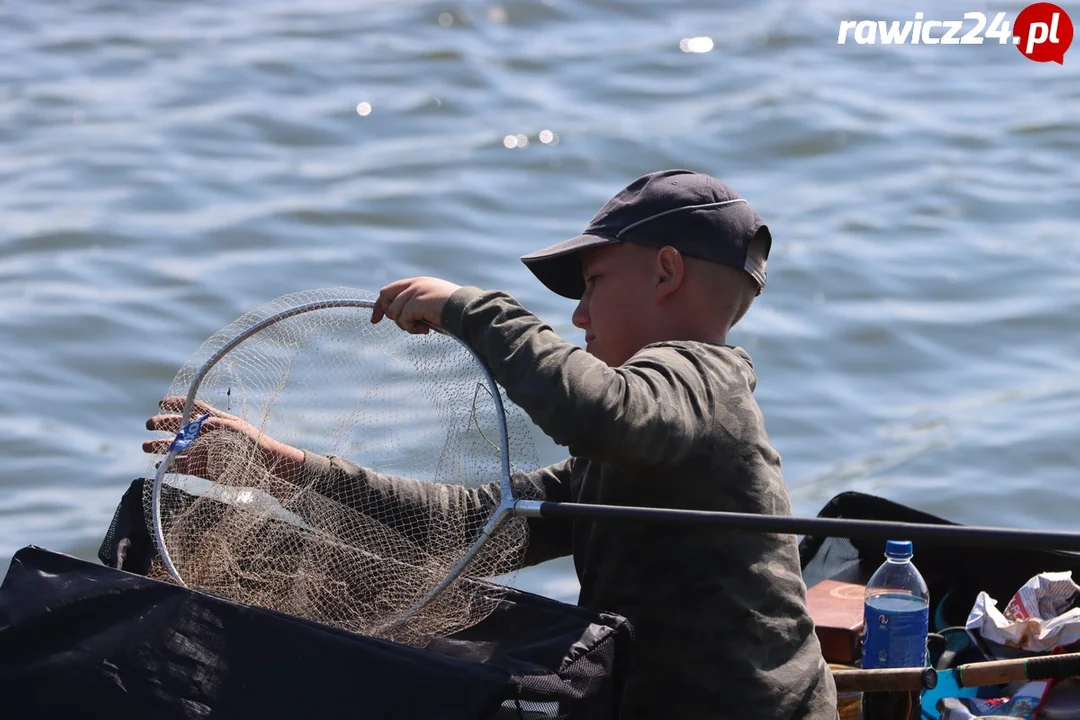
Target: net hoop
x=501 y=513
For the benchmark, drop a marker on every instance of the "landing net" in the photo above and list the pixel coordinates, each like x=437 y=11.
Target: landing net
x=392 y=546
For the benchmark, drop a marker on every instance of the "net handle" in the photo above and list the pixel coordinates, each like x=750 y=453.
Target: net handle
x=506 y=494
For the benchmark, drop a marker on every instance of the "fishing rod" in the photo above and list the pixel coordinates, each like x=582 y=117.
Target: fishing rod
x=987 y=537
x=975 y=674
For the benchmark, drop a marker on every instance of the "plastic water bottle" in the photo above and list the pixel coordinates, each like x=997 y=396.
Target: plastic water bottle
x=896 y=611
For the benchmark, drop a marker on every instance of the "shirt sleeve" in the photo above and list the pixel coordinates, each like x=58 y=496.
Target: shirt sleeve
x=646 y=412
x=548 y=539
x=415 y=507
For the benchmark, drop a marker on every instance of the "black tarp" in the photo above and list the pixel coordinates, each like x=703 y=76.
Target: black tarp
x=80 y=640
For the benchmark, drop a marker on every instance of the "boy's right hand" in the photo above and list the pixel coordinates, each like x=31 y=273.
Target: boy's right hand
x=280 y=459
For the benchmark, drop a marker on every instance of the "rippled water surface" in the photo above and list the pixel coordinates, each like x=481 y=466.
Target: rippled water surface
x=167 y=166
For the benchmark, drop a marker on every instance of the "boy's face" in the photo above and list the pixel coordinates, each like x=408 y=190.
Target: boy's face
x=616 y=311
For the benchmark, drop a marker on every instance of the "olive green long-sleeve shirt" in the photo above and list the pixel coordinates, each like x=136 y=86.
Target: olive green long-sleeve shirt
x=720 y=618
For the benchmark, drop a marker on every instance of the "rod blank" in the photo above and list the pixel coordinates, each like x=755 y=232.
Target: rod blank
x=989 y=537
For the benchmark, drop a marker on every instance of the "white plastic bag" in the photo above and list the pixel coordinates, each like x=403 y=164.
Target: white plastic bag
x=1037 y=619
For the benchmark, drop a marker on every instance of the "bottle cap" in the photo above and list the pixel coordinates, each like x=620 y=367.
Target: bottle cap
x=898 y=549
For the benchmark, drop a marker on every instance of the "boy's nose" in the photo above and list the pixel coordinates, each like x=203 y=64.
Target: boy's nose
x=580 y=318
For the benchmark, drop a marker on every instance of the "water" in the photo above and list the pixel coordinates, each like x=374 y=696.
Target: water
x=897 y=603
x=168 y=166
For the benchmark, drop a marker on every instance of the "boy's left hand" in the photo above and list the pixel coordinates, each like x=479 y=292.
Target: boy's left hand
x=415 y=304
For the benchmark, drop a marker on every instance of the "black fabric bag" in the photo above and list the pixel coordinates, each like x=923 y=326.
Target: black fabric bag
x=79 y=640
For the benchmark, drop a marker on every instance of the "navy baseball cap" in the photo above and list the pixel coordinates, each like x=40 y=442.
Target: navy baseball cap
x=692 y=212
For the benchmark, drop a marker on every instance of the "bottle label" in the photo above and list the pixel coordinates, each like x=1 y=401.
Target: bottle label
x=895 y=631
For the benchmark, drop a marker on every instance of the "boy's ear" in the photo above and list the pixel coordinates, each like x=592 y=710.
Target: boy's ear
x=670 y=272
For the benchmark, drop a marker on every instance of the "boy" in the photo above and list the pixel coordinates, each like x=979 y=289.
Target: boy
x=657 y=411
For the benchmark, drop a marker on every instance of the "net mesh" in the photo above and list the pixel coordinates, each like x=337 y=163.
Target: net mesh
x=353 y=549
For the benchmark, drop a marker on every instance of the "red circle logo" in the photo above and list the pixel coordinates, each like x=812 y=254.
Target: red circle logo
x=1043 y=32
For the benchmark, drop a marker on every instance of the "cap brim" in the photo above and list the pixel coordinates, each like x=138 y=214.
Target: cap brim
x=558 y=267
